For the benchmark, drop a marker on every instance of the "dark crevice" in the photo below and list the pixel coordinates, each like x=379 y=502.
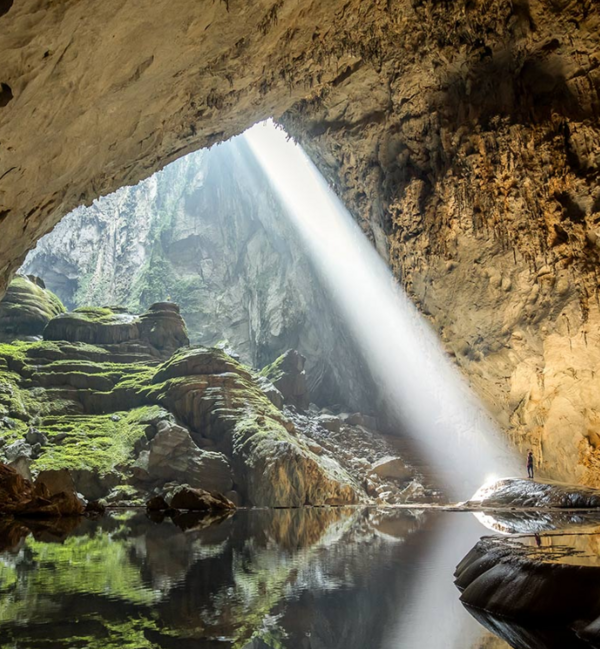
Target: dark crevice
x=6 y=94
x=571 y=210
x=5 y=6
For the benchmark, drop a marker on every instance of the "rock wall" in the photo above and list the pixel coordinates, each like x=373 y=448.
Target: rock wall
x=209 y=233
x=468 y=149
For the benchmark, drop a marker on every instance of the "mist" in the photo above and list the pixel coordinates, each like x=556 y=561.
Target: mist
x=431 y=401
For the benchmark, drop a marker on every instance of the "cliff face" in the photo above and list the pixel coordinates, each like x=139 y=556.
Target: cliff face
x=470 y=154
x=208 y=233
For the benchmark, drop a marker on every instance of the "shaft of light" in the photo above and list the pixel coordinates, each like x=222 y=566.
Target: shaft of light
x=432 y=402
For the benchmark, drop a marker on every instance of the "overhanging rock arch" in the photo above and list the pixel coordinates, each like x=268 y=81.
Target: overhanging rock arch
x=462 y=134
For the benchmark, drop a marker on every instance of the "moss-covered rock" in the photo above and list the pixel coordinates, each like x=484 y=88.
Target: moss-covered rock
x=288 y=376
x=161 y=329
x=27 y=308
x=219 y=399
x=124 y=424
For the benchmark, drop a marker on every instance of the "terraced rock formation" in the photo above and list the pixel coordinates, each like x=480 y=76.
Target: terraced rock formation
x=97 y=397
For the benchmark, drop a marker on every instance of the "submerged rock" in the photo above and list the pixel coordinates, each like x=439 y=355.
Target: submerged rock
x=516 y=492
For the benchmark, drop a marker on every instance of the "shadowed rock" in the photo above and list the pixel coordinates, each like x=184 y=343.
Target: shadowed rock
x=288 y=376
x=20 y=497
x=542 y=595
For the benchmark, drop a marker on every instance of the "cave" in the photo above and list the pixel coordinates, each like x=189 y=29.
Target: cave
x=461 y=139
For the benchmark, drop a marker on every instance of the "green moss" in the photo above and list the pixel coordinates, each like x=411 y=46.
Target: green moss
x=96 y=565
x=97 y=442
x=95 y=314
x=273 y=371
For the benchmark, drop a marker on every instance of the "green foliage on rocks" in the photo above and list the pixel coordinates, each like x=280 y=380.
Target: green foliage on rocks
x=273 y=371
x=26 y=309
x=95 y=314
x=99 y=443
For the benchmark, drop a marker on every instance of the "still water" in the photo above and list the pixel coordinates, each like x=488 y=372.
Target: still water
x=306 y=579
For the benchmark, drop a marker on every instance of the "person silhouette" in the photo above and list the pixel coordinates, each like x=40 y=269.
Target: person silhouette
x=530 y=464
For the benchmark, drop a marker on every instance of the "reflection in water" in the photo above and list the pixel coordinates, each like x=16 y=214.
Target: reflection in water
x=539 y=588
x=309 y=579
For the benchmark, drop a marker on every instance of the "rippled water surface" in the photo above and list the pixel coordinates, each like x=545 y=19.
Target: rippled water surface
x=311 y=579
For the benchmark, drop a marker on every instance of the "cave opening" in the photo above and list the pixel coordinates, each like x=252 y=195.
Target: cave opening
x=262 y=257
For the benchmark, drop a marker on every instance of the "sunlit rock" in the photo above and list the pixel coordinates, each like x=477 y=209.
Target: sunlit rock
x=161 y=328
x=99 y=404
x=392 y=467
x=516 y=492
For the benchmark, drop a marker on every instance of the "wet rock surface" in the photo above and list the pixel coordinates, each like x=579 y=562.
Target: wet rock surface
x=514 y=492
x=536 y=592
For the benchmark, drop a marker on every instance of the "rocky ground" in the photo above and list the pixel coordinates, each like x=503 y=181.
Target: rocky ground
x=129 y=409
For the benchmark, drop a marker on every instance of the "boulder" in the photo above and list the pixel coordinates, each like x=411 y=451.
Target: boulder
x=330 y=422
x=17 y=449
x=392 y=468
x=272 y=393
x=279 y=473
x=358 y=419
x=157 y=504
x=174 y=457
x=288 y=376
x=517 y=492
x=94 y=484
x=185 y=497
x=34 y=436
x=57 y=480
x=26 y=309
x=22 y=465
x=20 y=497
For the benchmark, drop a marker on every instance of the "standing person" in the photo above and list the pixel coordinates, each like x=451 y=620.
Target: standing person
x=530 y=464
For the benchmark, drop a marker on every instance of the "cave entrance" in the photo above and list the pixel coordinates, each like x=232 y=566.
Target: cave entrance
x=262 y=257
